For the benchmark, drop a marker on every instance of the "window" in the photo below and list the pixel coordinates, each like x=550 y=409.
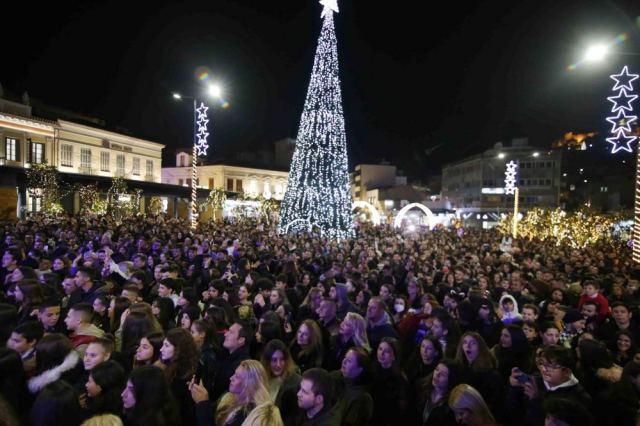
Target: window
x=210 y=183
x=136 y=167
x=229 y=184
x=66 y=155
x=180 y=182
x=36 y=204
x=120 y=165
x=11 y=149
x=85 y=158
x=149 y=165
x=104 y=161
x=37 y=152
x=239 y=185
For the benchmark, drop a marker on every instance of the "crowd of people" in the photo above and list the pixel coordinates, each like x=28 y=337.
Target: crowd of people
x=144 y=322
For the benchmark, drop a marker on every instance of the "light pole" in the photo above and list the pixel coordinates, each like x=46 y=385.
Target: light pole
x=200 y=145
x=621 y=135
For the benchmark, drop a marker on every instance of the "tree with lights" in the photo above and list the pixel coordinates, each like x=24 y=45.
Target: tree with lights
x=43 y=181
x=318 y=191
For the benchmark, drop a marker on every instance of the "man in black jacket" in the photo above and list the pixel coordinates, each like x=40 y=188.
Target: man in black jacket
x=237 y=341
x=314 y=401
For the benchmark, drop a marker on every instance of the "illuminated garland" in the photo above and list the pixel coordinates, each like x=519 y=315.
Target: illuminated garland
x=43 y=181
x=622 y=136
x=90 y=199
x=120 y=201
x=201 y=135
x=578 y=229
x=155 y=206
x=216 y=198
x=318 y=190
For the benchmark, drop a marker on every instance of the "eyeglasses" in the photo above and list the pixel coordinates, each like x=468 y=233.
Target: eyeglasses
x=546 y=366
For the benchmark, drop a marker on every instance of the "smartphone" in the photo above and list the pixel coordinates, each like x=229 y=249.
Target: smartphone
x=523 y=378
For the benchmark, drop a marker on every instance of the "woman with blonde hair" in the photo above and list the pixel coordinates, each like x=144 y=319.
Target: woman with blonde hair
x=247 y=389
x=266 y=414
x=469 y=407
x=352 y=333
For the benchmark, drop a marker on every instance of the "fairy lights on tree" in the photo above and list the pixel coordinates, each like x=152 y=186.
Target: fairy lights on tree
x=621 y=133
x=318 y=191
x=43 y=181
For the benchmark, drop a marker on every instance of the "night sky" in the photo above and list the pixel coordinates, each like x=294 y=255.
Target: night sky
x=423 y=83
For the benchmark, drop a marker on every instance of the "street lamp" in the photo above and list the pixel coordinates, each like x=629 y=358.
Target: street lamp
x=200 y=145
x=621 y=133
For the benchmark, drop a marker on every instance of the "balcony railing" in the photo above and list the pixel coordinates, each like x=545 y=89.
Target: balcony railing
x=86 y=170
x=148 y=178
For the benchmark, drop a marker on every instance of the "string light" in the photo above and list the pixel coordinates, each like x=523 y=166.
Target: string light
x=202 y=134
x=318 y=190
x=621 y=134
x=200 y=148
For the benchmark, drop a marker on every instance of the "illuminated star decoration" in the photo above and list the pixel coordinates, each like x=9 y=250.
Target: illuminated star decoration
x=202 y=134
x=329 y=6
x=510 y=178
x=621 y=132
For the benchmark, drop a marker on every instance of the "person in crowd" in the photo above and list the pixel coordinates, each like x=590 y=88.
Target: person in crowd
x=247 y=390
x=148 y=350
x=79 y=323
x=48 y=315
x=237 y=341
x=389 y=385
x=55 y=360
x=266 y=414
x=509 y=309
x=283 y=376
x=378 y=323
x=625 y=349
x=164 y=311
x=469 y=407
x=527 y=393
x=621 y=319
x=352 y=333
x=307 y=349
x=352 y=388
x=104 y=386
x=56 y=405
x=310 y=307
x=315 y=401
x=445 y=329
x=512 y=351
x=13 y=383
x=147 y=400
x=481 y=370
x=86 y=289
x=23 y=340
x=179 y=360
x=487 y=323
x=433 y=402
x=591 y=291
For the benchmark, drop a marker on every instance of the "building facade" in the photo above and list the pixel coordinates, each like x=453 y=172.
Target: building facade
x=74 y=149
x=475 y=185
x=249 y=181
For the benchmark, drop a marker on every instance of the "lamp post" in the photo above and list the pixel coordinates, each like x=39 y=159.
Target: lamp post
x=621 y=135
x=200 y=145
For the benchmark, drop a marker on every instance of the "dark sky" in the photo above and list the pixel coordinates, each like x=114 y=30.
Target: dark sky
x=458 y=76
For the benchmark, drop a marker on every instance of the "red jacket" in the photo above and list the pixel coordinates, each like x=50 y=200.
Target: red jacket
x=602 y=302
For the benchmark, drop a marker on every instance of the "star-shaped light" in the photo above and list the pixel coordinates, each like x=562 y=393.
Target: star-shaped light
x=622 y=121
x=624 y=79
x=510 y=177
x=621 y=141
x=622 y=101
x=202 y=135
x=329 y=6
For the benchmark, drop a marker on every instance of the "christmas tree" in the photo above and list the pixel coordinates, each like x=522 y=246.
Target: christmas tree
x=318 y=191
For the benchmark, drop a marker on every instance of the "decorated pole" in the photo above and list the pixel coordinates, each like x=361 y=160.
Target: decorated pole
x=511 y=187
x=622 y=137
x=200 y=147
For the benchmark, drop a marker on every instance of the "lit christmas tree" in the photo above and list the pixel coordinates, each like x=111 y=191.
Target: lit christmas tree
x=318 y=191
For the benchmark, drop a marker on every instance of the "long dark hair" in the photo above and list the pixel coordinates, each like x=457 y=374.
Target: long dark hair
x=51 y=351
x=112 y=379
x=185 y=358
x=57 y=405
x=13 y=380
x=154 y=403
x=167 y=312
x=155 y=338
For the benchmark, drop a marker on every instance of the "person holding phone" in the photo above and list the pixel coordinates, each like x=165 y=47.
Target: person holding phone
x=555 y=380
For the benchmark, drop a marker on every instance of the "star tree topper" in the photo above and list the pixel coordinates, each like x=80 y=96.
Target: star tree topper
x=329 y=6
x=202 y=120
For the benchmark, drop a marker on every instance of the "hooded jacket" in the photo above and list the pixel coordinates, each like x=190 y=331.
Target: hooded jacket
x=513 y=316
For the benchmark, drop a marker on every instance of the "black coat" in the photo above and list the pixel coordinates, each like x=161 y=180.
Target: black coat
x=226 y=369
x=355 y=403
